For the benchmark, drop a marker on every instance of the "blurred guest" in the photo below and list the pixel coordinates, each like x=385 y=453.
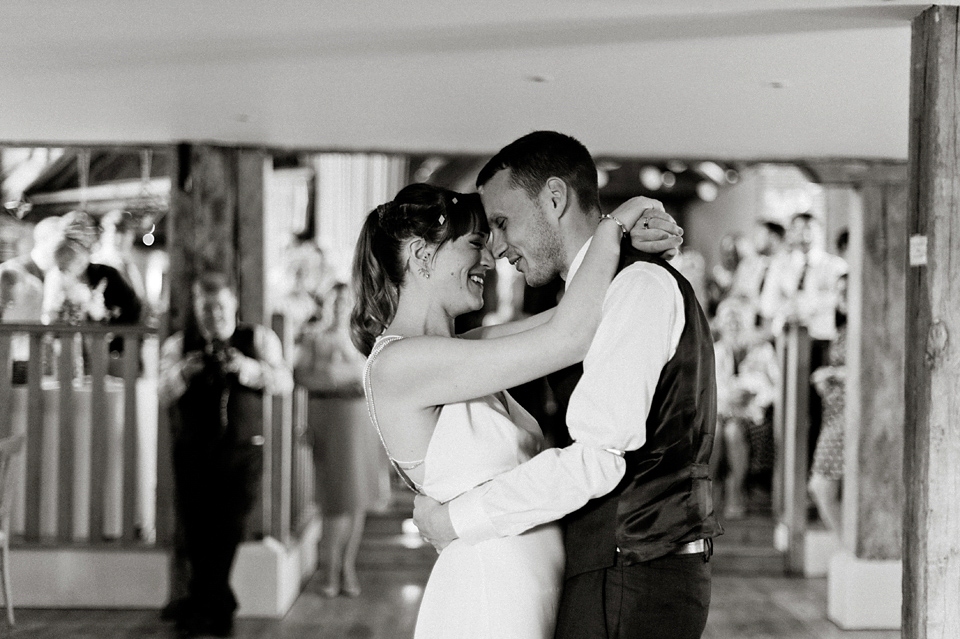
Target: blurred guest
x=21 y=297
x=21 y=302
x=46 y=234
x=304 y=281
x=722 y=274
x=801 y=286
x=754 y=270
x=830 y=380
x=115 y=248
x=78 y=291
x=213 y=375
x=747 y=376
x=804 y=290
x=351 y=470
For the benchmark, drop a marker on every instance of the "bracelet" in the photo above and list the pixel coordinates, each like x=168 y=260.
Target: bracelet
x=607 y=216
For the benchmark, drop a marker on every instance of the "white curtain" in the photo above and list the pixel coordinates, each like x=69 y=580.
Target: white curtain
x=349 y=186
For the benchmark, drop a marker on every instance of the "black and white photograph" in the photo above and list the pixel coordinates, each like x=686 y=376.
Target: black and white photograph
x=609 y=319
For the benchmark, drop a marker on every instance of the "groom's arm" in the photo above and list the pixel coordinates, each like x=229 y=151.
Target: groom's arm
x=638 y=334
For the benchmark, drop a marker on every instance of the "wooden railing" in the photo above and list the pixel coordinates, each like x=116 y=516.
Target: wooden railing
x=791 y=430
x=83 y=478
x=288 y=464
x=97 y=468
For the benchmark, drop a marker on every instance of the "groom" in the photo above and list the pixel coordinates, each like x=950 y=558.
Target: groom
x=641 y=411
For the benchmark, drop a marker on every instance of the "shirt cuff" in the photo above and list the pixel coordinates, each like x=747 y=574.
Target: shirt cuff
x=469 y=520
x=250 y=373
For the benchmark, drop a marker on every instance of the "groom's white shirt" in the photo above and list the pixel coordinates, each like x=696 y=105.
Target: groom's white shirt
x=640 y=327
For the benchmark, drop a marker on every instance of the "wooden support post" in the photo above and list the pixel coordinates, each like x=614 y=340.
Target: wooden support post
x=216 y=223
x=873 y=486
x=931 y=579
x=865 y=574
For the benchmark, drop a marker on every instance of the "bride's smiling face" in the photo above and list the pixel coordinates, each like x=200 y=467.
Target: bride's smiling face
x=457 y=273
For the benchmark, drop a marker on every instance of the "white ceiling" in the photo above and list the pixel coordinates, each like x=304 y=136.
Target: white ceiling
x=725 y=79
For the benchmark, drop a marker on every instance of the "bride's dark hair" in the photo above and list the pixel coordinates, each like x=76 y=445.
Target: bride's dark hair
x=430 y=212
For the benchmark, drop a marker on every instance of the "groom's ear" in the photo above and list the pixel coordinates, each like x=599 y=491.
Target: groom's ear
x=556 y=193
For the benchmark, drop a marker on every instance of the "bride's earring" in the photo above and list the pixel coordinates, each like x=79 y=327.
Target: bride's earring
x=423 y=270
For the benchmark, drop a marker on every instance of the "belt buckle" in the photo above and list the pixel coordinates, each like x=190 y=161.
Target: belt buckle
x=694 y=547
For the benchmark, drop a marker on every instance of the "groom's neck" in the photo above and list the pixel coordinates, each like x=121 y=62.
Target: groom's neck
x=576 y=228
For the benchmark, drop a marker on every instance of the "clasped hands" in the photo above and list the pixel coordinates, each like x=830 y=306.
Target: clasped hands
x=655 y=230
x=229 y=359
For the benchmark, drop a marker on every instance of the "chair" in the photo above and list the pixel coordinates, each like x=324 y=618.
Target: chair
x=10 y=449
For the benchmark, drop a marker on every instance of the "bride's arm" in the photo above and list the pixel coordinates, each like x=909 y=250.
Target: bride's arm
x=659 y=235
x=430 y=371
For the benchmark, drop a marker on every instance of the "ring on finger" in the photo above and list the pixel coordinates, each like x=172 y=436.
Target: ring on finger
x=646 y=222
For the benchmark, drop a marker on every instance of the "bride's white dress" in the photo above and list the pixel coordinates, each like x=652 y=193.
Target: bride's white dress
x=503 y=588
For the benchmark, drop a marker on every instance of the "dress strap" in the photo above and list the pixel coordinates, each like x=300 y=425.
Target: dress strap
x=399 y=466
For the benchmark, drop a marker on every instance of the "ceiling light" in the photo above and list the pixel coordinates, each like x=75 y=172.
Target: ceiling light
x=711 y=170
x=732 y=176
x=707 y=191
x=669 y=180
x=676 y=166
x=603 y=178
x=651 y=178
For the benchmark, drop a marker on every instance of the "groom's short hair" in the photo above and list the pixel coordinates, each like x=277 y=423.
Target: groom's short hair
x=538 y=156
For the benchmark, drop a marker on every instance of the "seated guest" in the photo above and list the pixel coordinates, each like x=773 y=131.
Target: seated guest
x=747 y=376
x=213 y=376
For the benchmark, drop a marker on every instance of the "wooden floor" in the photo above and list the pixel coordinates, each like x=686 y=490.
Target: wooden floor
x=750 y=601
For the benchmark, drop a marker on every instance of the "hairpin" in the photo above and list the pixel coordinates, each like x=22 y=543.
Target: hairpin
x=442 y=219
x=454 y=200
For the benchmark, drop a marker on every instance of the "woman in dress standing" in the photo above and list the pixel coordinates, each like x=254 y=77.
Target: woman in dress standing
x=350 y=468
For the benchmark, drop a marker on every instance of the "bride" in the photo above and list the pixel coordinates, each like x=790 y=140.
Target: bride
x=438 y=401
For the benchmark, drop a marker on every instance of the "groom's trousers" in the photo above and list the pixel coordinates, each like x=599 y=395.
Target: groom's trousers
x=665 y=598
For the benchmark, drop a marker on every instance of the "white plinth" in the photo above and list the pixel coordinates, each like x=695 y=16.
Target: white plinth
x=819 y=546
x=88 y=578
x=267 y=576
x=864 y=594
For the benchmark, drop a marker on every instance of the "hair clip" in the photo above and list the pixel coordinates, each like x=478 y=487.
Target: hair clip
x=442 y=219
x=454 y=200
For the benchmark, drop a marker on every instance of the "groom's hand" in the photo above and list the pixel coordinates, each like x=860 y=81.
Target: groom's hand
x=433 y=520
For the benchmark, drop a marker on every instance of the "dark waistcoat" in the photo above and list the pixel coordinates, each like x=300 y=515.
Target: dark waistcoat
x=216 y=410
x=665 y=497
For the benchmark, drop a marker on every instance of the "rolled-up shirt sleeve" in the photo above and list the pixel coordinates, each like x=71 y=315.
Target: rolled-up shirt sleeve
x=171 y=385
x=639 y=331
x=269 y=371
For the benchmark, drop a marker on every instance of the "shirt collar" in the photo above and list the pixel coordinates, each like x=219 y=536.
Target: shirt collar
x=577 y=261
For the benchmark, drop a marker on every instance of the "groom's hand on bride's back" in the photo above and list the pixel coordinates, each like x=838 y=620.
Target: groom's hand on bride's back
x=433 y=520
x=656 y=232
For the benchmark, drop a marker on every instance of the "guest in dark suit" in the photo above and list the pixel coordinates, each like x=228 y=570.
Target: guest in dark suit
x=213 y=376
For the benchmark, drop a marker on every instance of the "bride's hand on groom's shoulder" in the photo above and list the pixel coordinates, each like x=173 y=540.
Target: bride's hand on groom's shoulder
x=433 y=520
x=655 y=231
